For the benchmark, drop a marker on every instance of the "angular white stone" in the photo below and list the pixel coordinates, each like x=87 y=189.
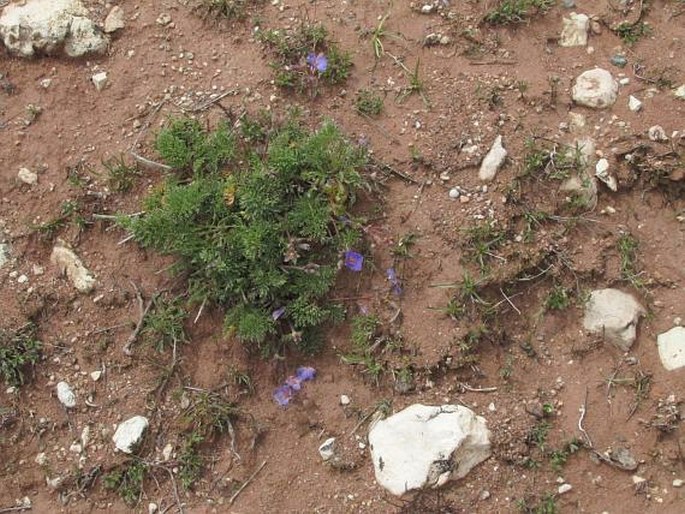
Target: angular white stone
x=129 y=433
x=68 y=263
x=672 y=348
x=66 y=395
x=615 y=315
x=493 y=160
x=564 y=488
x=679 y=92
x=634 y=104
x=595 y=88
x=4 y=254
x=657 y=133
x=115 y=20
x=602 y=173
x=327 y=449
x=47 y=26
x=574 y=31
x=99 y=80
x=425 y=446
x=27 y=176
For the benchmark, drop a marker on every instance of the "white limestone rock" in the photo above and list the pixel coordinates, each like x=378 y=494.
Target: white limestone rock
x=575 y=30
x=37 y=27
x=615 y=315
x=129 y=433
x=99 y=80
x=115 y=20
x=602 y=173
x=657 y=133
x=70 y=265
x=66 y=395
x=595 y=88
x=634 y=104
x=327 y=449
x=493 y=161
x=426 y=446
x=27 y=176
x=671 y=346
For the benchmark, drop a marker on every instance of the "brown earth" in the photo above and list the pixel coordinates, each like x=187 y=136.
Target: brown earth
x=486 y=81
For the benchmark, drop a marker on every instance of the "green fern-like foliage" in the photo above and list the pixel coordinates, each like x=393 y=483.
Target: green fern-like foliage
x=258 y=228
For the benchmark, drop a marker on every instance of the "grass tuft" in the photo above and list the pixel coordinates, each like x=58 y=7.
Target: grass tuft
x=510 y=12
x=19 y=349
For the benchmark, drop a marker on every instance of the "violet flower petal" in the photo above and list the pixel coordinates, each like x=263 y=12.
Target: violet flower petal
x=294 y=383
x=353 y=260
x=282 y=395
x=305 y=373
x=278 y=313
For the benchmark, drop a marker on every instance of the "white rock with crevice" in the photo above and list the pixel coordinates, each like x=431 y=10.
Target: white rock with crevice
x=595 y=88
x=70 y=265
x=36 y=27
x=615 y=315
x=115 y=20
x=27 y=176
x=493 y=160
x=634 y=104
x=129 y=433
x=671 y=346
x=575 y=30
x=602 y=173
x=426 y=446
x=65 y=395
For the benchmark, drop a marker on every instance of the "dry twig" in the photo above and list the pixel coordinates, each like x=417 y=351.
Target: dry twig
x=246 y=483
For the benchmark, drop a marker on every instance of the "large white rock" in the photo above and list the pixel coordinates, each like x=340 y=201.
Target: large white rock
x=492 y=161
x=66 y=395
x=115 y=20
x=129 y=433
x=574 y=31
x=615 y=315
x=672 y=348
x=595 y=88
x=425 y=446
x=69 y=264
x=48 y=26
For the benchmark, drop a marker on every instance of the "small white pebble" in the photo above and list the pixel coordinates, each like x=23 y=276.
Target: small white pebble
x=564 y=488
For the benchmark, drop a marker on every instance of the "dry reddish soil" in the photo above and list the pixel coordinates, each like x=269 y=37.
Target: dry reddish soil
x=485 y=81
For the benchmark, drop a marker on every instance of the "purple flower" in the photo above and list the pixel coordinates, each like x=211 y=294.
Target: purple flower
x=278 y=313
x=293 y=382
x=394 y=281
x=282 y=395
x=305 y=373
x=354 y=260
x=317 y=62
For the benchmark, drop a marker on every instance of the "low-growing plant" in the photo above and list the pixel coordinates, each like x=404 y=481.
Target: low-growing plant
x=627 y=247
x=120 y=175
x=547 y=505
x=558 y=458
x=163 y=325
x=368 y=103
x=550 y=161
x=516 y=11
x=70 y=212
x=127 y=480
x=190 y=461
x=415 y=85
x=305 y=57
x=19 y=349
x=481 y=240
x=226 y=9
x=558 y=298
x=631 y=33
x=258 y=230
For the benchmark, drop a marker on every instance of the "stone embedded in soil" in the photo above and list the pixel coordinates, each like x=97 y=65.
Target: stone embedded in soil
x=613 y=314
x=634 y=104
x=671 y=346
x=46 y=27
x=4 y=254
x=574 y=31
x=492 y=161
x=69 y=264
x=129 y=433
x=602 y=173
x=99 y=80
x=66 y=395
x=27 y=176
x=624 y=459
x=657 y=133
x=115 y=20
x=564 y=488
x=327 y=449
x=595 y=88
x=679 y=92
x=426 y=446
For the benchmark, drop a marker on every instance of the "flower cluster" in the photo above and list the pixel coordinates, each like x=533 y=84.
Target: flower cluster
x=317 y=62
x=283 y=394
x=353 y=260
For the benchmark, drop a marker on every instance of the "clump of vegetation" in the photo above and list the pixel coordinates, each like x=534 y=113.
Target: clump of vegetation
x=120 y=176
x=368 y=103
x=558 y=298
x=19 y=349
x=163 y=325
x=481 y=241
x=305 y=56
x=627 y=247
x=365 y=340
x=127 y=480
x=631 y=33
x=70 y=212
x=546 y=505
x=516 y=11
x=415 y=85
x=558 y=458
x=259 y=229
x=226 y=9
x=550 y=161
